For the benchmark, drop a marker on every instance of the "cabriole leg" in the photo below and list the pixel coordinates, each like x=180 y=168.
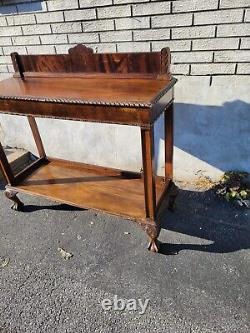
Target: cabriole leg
x=151 y=228
x=12 y=195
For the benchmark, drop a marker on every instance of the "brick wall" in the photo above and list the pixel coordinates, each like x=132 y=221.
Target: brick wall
x=210 y=43
x=206 y=38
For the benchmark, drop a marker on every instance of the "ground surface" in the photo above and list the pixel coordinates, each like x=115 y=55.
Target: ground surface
x=205 y=288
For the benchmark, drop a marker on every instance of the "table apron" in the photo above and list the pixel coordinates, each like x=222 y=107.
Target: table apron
x=90 y=113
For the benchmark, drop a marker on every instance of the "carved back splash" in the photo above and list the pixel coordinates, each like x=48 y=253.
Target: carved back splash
x=81 y=59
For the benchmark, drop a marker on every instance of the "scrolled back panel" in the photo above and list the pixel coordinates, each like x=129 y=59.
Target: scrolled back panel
x=45 y=63
x=81 y=59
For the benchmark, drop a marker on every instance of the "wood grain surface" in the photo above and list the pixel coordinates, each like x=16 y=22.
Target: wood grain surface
x=114 y=191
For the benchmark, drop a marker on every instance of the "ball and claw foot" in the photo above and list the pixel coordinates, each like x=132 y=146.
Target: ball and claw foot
x=154 y=246
x=18 y=204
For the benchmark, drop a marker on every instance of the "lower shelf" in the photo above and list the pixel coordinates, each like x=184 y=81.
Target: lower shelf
x=109 y=190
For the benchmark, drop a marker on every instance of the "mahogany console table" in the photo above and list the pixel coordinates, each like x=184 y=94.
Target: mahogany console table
x=122 y=88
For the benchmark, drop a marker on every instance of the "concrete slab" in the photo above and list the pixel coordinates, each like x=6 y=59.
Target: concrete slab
x=204 y=288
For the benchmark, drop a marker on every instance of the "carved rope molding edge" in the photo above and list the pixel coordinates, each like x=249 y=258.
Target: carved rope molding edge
x=77 y=101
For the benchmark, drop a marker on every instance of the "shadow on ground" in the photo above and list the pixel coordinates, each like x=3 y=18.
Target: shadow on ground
x=195 y=291
x=198 y=214
x=61 y=207
x=204 y=216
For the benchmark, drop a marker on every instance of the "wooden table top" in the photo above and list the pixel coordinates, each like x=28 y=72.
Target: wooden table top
x=89 y=89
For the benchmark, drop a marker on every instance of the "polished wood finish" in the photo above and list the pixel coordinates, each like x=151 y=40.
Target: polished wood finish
x=122 y=88
x=110 y=91
x=113 y=191
x=147 y=140
x=136 y=102
x=82 y=59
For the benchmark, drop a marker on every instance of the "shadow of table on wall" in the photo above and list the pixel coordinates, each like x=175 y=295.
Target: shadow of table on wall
x=217 y=135
x=21 y=6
